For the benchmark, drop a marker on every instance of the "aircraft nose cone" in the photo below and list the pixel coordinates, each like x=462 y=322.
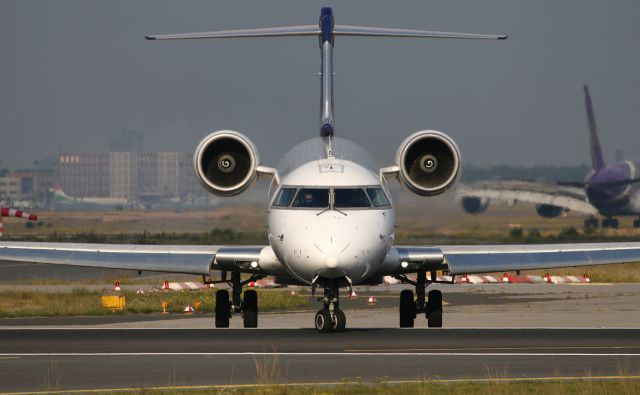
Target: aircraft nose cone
x=331 y=262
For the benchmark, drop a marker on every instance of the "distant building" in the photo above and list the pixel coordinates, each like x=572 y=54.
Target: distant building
x=10 y=188
x=123 y=175
x=133 y=176
x=84 y=175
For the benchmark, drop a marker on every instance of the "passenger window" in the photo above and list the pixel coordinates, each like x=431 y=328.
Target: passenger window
x=378 y=198
x=312 y=198
x=284 y=197
x=350 y=198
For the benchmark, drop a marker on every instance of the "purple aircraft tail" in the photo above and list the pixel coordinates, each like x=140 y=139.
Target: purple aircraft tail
x=597 y=162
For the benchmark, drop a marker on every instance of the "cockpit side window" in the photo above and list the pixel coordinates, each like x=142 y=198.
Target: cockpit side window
x=284 y=197
x=378 y=198
x=312 y=198
x=350 y=198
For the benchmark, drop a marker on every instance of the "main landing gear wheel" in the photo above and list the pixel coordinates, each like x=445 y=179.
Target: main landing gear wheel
x=434 y=309
x=250 y=309
x=223 y=308
x=323 y=321
x=610 y=223
x=591 y=223
x=407 y=309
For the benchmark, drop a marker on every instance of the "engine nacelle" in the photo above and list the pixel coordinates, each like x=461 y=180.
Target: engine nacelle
x=549 y=210
x=474 y=205
x=428 y=162
x=226 y=163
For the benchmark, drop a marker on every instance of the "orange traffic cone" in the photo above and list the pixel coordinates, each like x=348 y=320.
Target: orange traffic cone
x=372 y=300
x=188 y=309
x=353 y=295
x=505 y=279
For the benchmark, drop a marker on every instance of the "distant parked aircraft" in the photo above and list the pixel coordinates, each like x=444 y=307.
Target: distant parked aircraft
x=63 y=201
x=609 y=190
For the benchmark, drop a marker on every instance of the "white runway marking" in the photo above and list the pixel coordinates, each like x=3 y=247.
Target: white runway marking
x=321 y=354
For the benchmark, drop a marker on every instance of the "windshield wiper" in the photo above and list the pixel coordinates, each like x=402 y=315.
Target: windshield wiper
x=341 y=212
x=324 y=211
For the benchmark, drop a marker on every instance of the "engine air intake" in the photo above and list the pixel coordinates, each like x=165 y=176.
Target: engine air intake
x=225 y=163
x=429 y=162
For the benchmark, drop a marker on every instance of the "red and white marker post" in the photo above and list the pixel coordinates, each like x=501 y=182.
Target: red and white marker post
x=9 y=212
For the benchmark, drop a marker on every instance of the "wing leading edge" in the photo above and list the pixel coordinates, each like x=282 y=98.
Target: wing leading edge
x=466 y=259
x=160 y=258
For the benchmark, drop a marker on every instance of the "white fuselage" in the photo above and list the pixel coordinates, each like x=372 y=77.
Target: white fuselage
x=331 y=241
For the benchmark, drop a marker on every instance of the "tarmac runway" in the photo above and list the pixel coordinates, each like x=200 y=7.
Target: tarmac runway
x=46 y=359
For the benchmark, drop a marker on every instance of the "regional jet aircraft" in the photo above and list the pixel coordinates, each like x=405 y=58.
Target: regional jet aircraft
x=610 y=190
x=330 y=217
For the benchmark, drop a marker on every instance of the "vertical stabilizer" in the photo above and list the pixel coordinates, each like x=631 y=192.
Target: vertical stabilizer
x=597 y=162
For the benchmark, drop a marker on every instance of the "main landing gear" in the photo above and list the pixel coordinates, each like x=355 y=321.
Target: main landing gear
x=248 y=307
x=330 y=318
x=610 y=222
x=591 y=223
x=410 y=307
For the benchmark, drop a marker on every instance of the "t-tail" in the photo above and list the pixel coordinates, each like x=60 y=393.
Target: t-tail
x=326 y=30
x=597 y=161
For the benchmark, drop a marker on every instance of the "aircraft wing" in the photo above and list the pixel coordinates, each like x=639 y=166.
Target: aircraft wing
x=160 y=258
x=571 y=198
x=467 y=259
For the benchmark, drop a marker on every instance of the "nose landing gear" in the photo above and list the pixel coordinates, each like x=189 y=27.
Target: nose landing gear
x=410 y=307
x=330 y=318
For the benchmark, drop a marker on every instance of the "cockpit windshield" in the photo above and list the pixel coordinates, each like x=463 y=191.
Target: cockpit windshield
x=312 y=198
x=285 y=197
x=378 y=198
x=350 y=198
x=371 y=197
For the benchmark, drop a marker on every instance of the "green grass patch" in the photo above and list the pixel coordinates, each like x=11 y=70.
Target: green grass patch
x=81 y=302
x=551 y=387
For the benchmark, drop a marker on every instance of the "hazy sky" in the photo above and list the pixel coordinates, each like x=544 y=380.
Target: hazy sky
x=72 y=73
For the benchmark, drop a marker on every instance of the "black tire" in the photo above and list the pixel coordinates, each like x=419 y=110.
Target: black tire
x=407 y=309
x=614 y=223
x=434 y=309
x=636 y=223
x=606 y=223
x=223 y=308
x=591 y=223
x=323 y=321
x=339 y=321
x=250 y=309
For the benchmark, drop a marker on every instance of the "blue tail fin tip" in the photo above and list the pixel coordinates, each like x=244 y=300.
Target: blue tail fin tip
x=326 y=24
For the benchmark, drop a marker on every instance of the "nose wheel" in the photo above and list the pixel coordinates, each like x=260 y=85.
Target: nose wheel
x=330 y=318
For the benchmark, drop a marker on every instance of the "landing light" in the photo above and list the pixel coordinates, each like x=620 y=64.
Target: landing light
x=404 y=264
x=254 y=264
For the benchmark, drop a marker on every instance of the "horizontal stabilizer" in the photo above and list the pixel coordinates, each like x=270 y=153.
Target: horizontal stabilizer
x=305 y=30
x=314 y=30
x=348 y=30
